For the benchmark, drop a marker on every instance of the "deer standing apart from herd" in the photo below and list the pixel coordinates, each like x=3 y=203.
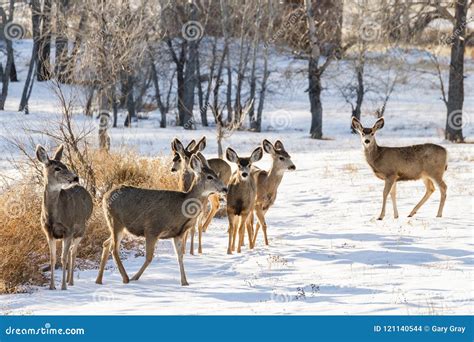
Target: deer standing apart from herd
x=162 y=214
x=394 y=164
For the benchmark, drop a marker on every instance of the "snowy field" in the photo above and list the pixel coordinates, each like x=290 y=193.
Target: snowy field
x=327 y=253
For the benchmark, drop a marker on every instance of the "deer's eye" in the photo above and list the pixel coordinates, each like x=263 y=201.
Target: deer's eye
x=210 y=177
x=281 y=158
x=57 y=169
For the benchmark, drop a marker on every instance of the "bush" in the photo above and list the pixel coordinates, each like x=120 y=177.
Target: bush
x=23 y=248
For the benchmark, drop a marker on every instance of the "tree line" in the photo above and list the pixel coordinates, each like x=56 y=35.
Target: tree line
x=213 y=56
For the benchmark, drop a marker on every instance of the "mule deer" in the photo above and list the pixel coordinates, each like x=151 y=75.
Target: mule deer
x=241 y=198
x=65 y=210
x=181 y=165
x=155 y=214
x=393 y=164
x=268 y=182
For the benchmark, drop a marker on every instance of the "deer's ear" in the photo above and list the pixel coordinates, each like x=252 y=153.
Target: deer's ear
x=42 y=155
x=257 y=154
x=379 y=124
x=59 y=153
x=196 y=164
x=177 y=146
x=191 y=145
x=356 y=124
x=231 y=155
x=279 y=145
x=202 y=159
x=268 y=147
x=201 y=145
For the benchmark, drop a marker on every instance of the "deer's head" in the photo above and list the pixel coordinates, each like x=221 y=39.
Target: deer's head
x=244 y=164
x=205 y=175
x=55 y=172
x=281 y=159
x=367 y=135
x=182 y=155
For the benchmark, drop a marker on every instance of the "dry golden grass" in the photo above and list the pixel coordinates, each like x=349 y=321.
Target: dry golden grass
x=350 y=168
x=23 y=247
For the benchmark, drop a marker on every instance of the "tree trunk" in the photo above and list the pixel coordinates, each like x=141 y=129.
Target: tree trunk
x=60 y=66
x=130 y=101
x=202 y=105
x=43 y=70
x=8 y=65
x=156 y=84
x=13 y=74
x=456 y=75
x=316 y=130
x=35 y=23
x=261 y=100
x=190 y=77
x=90 y=97
x=360 y=93
x=314 y=76
x=211 y=75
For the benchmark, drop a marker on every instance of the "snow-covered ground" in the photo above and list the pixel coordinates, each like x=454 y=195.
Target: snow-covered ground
x=327 y=253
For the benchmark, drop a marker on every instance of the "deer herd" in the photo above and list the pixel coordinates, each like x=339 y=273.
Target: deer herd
x=249 y=192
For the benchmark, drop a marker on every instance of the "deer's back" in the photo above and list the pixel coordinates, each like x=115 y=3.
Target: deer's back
x=221 y=168
x=145 y=211
x=409 y=162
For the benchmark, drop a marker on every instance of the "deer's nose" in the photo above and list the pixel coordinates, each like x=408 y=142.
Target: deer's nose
x=75 y=179
x=224 y=190
x=367 y=141
x=244 y=174
x=173 y=169
x=292 y=167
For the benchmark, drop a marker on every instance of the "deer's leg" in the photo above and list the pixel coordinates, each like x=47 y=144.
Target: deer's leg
x=257 y=227
x=185 y=239
x=52 y=260
x=106 y=248
x=116 y=239
x=150 y=243
x=442 y=188
x=72 y=262
x=66 y=252
x=429 y=190
x=386 y=190
x=191 y=247
x=249 y=225
x=179 y=253
x=230 y=231
x=261 y=219
x=214 y=200
x=242 y=222
x=235 y=231
x=393 y=195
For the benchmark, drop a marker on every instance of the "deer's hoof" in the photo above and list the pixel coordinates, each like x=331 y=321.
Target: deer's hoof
x=98 y=282
x=380 y=219
x=126 y=280
x=52 y=287
x=64 y=287
x=184 y=283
